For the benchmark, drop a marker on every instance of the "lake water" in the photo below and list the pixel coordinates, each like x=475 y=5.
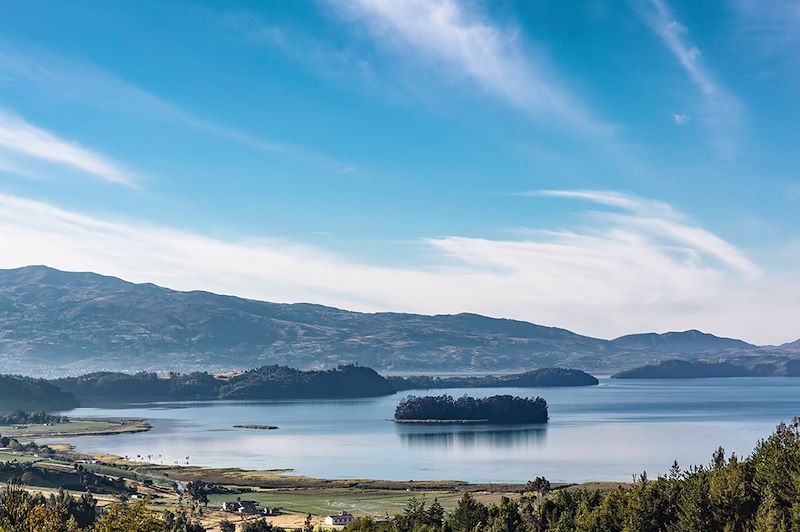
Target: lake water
x=606 y=432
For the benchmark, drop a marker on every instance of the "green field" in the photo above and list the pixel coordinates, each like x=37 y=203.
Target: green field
x=20 y=458
x=75 y=427
x=357 y=501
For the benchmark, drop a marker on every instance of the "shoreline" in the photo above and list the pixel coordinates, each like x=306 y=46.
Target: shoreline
x=77 y=427
x=296 y=495
x=443 y=421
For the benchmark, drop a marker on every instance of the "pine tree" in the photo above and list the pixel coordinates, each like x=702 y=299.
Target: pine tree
x=770 y=516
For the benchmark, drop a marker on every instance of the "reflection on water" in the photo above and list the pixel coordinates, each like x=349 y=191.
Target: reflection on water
x=471 y=436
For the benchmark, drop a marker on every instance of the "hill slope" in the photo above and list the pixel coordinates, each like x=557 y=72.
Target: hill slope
x=692 y=341
x=25 y=393
x=54 y=322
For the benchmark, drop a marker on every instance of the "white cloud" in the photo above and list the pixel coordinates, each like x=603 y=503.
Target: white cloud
x=719 y=109
x=659 y=219
x=450 y=35
x=680 y=118
x=21 y=138
x=639 y=265
x=673 y=34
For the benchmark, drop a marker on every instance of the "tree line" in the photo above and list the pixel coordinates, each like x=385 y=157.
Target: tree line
x=266 y=382
x=26 y=393
x=20 y=417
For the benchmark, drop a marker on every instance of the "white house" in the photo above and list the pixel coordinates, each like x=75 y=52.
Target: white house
x=342 y=518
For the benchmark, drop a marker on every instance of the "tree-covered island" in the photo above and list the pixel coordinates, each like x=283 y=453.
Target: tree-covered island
x=494 y=409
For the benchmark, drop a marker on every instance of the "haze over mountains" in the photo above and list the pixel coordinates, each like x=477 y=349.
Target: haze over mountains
x=54 y=322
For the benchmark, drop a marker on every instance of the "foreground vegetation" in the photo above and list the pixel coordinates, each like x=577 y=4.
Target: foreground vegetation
x=21 y=511
x=494 y=409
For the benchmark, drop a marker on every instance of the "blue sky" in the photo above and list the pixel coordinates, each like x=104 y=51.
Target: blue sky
x=608 y=167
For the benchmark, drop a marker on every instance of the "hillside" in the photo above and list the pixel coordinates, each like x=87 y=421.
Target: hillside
x=679 y=342
x=25 y=393
x=683 y=369
x=537 y=378
x=266 y=382
x=54 y=322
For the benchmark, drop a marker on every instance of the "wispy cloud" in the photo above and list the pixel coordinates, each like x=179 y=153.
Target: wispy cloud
x=668 y=227
x=92 y=85
x=451 y=35
x=22 y=138
x=776 y=21
x=637 y=265
x=612 y=198
x=719 y=109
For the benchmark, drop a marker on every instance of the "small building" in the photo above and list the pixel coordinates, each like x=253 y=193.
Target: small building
x=229 y=506
x=240 y=507
x=342 y=518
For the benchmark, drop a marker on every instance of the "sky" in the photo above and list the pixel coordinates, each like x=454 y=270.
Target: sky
x=606 y=167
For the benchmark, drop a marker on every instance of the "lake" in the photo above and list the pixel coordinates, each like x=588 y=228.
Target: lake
x=606 y=432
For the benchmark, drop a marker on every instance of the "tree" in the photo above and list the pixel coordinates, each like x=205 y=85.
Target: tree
x=259 y=525
x=435 y=515
x=770 y=515
x=198 y=491
x=180 y=522
x=308 y=525
x=468 y=515
x=539 y=485
x=14 y=507
x=364 y=524
x=45 y=519
x=133 y=518
x=226 y=526
x=505 y=517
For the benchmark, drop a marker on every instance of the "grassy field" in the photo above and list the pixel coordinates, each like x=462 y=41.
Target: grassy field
x=76 y=427
x=275 y=479
x=21 y=458
x=358 y=501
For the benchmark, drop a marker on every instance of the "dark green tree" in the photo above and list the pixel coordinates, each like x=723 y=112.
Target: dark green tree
x=468 y=515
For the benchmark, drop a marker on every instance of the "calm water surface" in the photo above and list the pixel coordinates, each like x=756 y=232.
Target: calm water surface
x=605 y=432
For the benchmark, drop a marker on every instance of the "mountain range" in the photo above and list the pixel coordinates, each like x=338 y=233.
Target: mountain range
x=54 y=322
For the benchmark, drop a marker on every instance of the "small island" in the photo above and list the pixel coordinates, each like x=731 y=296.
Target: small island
x=494 y=409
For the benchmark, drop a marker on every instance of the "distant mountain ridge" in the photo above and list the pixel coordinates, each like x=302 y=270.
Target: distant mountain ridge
x=54 y=322
x=691 y=341
x=683 y=369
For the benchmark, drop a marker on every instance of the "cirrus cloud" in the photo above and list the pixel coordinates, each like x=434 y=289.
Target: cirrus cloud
x=21 y=138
